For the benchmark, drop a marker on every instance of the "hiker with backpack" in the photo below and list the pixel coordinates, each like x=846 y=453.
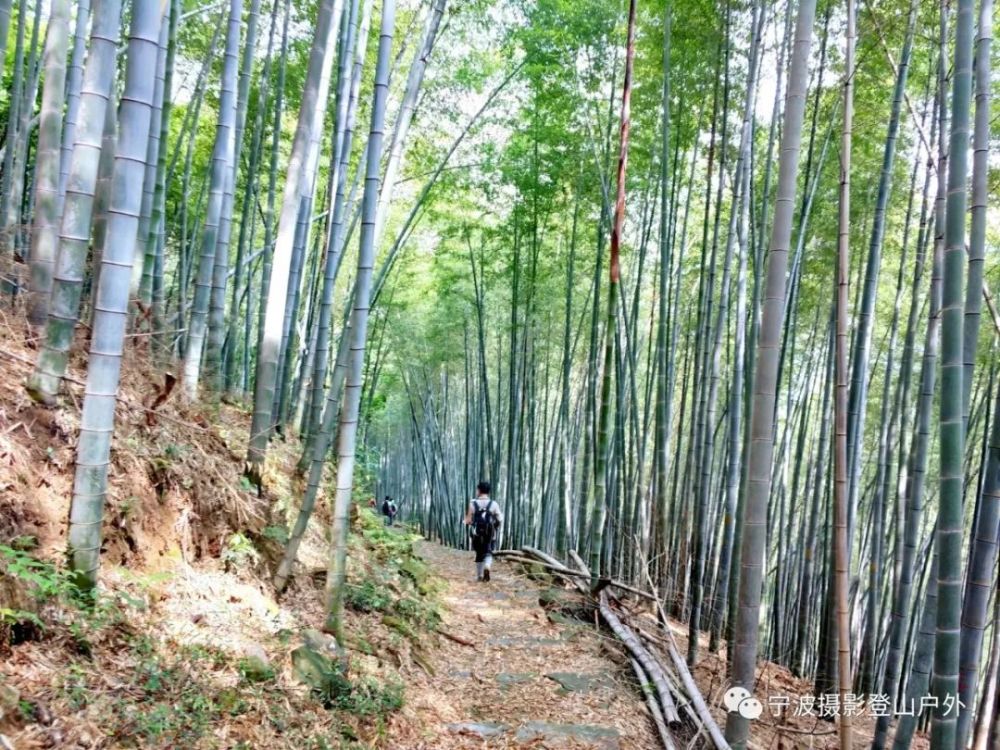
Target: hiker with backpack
x=388 y=510
x=483 y=517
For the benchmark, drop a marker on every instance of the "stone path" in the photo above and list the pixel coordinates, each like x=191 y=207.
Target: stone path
x=529 y=682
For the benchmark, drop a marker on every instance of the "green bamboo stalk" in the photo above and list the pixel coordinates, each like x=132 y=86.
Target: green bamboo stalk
x=142 y=269
x=45 y=232
x=979 y=581
x=351 y=65
x=952 y=433
x=346 y=434
x=222 y=164
x=74 y=81
x=93 y=453
x=313 y=107
x=746 y=631
x=599 y=516
x=250 y=197
x=157 y=226
x=217 y=329
x=88 y=153
x=841 y=539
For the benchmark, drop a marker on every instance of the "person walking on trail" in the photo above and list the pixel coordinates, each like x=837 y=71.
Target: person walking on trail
x=483 y=517
x=388 y=510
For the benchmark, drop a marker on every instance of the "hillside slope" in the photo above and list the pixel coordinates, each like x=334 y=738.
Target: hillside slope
x=185 y=644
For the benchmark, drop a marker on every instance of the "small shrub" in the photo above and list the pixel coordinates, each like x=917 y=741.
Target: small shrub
x=334 y=690
x=368 y=697
x=239 y=552
x=367 y=597
x=18 y=617
x=277 y=534
x=253 y=669
x=45 y=580
x=74 y=686
x=173 y=451
x=417 y=613
x=24 y=542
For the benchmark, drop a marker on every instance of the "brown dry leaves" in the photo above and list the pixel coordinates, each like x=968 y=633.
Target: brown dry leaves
x=515 y=641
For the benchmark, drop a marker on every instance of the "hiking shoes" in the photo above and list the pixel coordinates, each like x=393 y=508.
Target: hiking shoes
x=486 y=575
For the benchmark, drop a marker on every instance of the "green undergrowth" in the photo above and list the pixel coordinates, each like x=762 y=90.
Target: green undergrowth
x=391 y=579
x=39 y=600
x=113 y=669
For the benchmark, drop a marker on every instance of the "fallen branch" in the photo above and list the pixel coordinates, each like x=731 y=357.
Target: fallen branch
x=697 y=699
x=694 y=694
x=579 y=561
x=422 y=662
x=455 y=638
x=556 y=567
x=543 y=556
x=582 y=566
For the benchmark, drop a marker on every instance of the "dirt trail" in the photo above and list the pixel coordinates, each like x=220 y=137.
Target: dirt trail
x=528 y=682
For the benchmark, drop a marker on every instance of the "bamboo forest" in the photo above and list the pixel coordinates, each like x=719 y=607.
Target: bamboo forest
x=439 y=374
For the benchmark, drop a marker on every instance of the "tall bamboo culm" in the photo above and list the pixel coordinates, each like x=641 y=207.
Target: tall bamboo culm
x=347 y=432
x=93 y=453
x=945 y=686
x=747 y=626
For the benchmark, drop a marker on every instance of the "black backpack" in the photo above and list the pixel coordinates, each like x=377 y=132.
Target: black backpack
x=482 y=522
x=385 y=508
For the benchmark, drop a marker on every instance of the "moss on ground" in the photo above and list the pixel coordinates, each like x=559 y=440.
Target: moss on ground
x=395 y=583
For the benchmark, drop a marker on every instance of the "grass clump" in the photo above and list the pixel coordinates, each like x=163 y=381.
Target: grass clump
x=370 y=698
x=367 y=596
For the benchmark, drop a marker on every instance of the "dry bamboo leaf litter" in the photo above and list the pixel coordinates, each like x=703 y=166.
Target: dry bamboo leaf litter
x=504 y=680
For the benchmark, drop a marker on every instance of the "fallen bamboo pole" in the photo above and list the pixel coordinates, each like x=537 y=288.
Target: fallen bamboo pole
x=697 y=699
x=652 y=705
x=642 y=655
x=575 y=575
x=455 y=638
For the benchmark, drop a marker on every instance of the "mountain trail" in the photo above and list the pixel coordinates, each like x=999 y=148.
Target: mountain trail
x=531 y=679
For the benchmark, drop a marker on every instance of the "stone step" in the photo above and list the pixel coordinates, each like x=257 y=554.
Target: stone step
x=576 y=682
x=556 y=735
x=553 y=735
x=479 y=729
x=508 y=679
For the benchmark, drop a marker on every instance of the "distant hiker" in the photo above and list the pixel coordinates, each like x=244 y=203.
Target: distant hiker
x=388 y=510
x=483 y=517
